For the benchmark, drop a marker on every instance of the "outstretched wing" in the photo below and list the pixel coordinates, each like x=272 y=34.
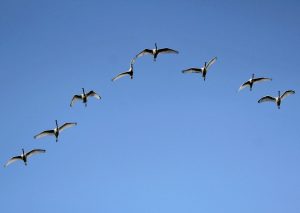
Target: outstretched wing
x=13 y=159
x=267 y=98
x=261 y=79
x=132 y=61
x=66 y=125
x=211 y=62
x=246 y=84
x=93 y=94
x=74 y=99
x=167 y=50
x=192 y=70
x=44 y=133
x=144 y=52
x=121 y=75
x=35 y=151
x=287 y=93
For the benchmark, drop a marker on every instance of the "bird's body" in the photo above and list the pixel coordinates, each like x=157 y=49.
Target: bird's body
x=84 y=97
x=252 y=81
x=277 y=99
x=155 y=52
x=203 y=70
x=129 y=72
x=24 y=156
x=56 y=131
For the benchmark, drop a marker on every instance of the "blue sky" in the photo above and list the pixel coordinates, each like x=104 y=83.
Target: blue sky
x=164 y=141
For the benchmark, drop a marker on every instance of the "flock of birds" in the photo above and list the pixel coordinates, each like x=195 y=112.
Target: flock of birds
x=154 y=52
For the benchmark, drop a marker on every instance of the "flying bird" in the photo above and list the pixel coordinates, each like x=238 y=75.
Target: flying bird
x=129 y=72
x=24 y=156
x=55 y=131
x=84 y=97
x=203 y=70
x=278 y=99
x=155 y=52
x=252 y=81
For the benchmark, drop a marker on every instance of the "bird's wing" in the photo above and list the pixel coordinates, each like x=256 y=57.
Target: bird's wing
x=261 y=79
x=192 y=70
x=94 y=94
x=44 y=133
x=167 y=50
x=35 y=151
x=74 y=99
x=13 y=159
x=287 y=93
x=66 y=125
x=247 y=83
x=121 y=75
x=211 y=62
x=133 y=61
x=267 y=98
x=144 y=52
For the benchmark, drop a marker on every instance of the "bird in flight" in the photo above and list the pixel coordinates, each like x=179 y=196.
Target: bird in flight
x=203 y=70
x=24 y=156
x=155 y=52
x=277 y=99
x=84 y=97
x=252 y=81
x=55 y=131
x=129 y=72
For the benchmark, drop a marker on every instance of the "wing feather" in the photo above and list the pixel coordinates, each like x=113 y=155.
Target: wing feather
x=267 y=98
x=211 y=62
x=44 y=133
x=35 y=151
x=144 y=52
x=93 y=94
x=192 y=70
x=246 y=84
x=13 y=159
x=167 y=50
x=261 y=79
x=287 y=93
x=66 y=125
x=121 y=75
x=74 y=99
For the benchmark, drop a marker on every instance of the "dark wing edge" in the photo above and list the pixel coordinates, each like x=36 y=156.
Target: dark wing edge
x=267 y=98
x=167 y=50
x=75 y=98
x=13 y=159
x=144 y=52
x=93 y=94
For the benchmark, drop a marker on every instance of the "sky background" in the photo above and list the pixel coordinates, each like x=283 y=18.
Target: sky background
x=164 y=141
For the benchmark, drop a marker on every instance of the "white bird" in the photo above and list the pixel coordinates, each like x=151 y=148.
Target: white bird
x=155 y=52
x=24 y=156
x=252 y=81
x=278 y=99
x=84 y=97
x=55 y=131
x=203 y=70
x=129 y=72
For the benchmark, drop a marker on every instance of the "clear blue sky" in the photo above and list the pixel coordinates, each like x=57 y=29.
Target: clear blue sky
x=163 y=142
